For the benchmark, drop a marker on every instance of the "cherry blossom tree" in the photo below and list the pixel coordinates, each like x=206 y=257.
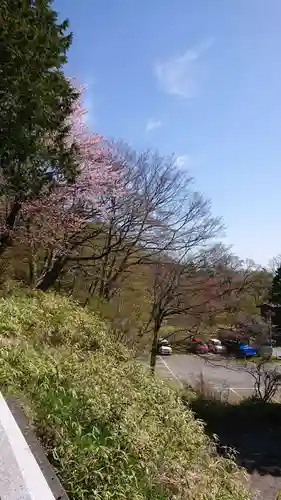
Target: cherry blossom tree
x=58 y=220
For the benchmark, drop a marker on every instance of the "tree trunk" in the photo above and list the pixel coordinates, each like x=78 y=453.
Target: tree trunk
x=5 y=238
x=154 y=348
x=32 y=269
x=91 y=292
x=51 y=275
x=104 y=263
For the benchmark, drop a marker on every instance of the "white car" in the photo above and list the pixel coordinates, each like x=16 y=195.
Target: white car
x=164 y=348
x=216 y=346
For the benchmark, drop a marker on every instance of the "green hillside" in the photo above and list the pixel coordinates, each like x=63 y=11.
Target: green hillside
x=110 y=430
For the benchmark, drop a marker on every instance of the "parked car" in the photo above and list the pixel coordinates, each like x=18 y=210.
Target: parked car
x=215 y=346
x=197 y=346
x=238 y=348
x=246 y=350
x=164 y=347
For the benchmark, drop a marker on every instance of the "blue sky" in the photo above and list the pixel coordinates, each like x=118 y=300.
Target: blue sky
x=200 y=79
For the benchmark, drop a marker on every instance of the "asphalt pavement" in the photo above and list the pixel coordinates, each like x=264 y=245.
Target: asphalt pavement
x=223 y=376
x=257 y=451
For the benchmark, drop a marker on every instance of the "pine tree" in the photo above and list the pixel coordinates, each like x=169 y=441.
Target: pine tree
x=35 y=100
x=276 y=287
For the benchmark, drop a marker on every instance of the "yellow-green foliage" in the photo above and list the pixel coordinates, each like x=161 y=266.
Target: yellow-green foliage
x=46 y=318
x=111 y=431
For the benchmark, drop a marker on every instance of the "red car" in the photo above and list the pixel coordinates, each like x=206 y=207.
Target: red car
x=198 y=346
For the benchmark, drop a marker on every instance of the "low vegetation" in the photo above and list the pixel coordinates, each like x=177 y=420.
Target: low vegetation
x=252 y=442
x=124 y=233
x=110 y=430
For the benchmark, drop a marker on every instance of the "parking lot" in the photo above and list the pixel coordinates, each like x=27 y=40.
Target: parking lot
x=257 y=447
x=226 y=377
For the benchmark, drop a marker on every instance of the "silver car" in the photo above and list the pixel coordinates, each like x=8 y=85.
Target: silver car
x=216 y=346
x=164 y=348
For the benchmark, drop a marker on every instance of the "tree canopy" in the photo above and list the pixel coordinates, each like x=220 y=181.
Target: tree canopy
x=36 y=99
x=276 y=287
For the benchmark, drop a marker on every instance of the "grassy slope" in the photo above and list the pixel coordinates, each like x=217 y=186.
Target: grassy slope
x=110 y=431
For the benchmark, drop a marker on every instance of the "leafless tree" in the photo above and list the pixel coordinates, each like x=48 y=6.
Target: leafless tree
x=253 y=326
x=148 y=221
x=266 y=377
x=129 y=228
x=197 y=284
x=267 y=380
x=274 y=263
x=181 y=283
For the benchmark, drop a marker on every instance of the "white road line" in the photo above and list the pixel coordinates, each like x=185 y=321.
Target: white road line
x=171 y=371
x=242 y=388
x=233 y=390
x=246 y=389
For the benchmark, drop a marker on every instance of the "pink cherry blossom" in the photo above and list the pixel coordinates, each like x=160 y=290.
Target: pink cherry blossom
x=56 y=216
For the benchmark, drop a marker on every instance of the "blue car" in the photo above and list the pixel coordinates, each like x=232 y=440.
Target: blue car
x=246 y=350
x=239 y=348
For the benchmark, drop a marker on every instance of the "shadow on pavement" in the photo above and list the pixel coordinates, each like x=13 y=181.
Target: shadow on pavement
x=252 y=428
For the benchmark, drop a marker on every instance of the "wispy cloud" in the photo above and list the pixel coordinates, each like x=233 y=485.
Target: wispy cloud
x=176 y=75
x=182 y=161
x=152 y=124
x=89 y=104
x=90 y=100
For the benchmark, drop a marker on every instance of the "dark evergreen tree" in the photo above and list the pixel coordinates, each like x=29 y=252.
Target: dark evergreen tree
x=35 y=100
x=276 y=287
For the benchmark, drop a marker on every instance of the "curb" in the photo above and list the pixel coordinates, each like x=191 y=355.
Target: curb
x=25 y=471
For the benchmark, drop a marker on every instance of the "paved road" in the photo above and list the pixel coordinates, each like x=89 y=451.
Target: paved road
x=258 y=451
x=221 y=375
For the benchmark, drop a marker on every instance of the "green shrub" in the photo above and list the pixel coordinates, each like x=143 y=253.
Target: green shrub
x=46 y=318
x=111 y=431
